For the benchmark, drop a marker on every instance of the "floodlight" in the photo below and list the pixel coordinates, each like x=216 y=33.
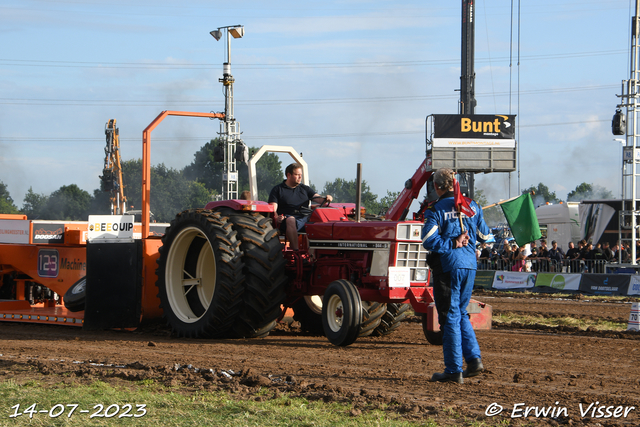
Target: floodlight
x=217 y=34
x=237 y=32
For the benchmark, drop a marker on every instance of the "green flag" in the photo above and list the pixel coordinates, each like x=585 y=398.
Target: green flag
x=521 y=216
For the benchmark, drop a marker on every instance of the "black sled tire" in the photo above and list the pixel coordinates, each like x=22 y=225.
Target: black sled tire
x=392 y=319
x=75 y=297
x=264 y=272
x=200 y=279
x=341 y=313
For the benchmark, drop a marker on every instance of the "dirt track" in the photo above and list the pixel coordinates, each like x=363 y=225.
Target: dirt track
x=533 y=367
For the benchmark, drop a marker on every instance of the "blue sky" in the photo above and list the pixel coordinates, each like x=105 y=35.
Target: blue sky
x=343 y=82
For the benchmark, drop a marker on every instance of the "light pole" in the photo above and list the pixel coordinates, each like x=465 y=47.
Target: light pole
x=622 y=142
x=229 y=127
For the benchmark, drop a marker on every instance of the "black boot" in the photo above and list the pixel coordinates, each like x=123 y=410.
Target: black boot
x=444 y=377
x=474 y=367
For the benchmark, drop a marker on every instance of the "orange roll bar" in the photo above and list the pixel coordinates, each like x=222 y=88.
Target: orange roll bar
x=146 y=160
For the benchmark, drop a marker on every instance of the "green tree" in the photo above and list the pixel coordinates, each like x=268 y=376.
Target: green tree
x=204 y=169
x=69 y=202
x=344 y=191
x=171 y=191
x=132 y=179
x=100 y=203
x=586 y=191
x=542 y=194
x=33 y=204
x=6 y=202
x=387 y=201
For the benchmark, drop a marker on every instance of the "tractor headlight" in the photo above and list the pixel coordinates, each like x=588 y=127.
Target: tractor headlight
x=421 y=275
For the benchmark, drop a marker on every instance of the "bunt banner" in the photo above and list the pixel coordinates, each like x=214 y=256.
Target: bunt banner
x=477 y=130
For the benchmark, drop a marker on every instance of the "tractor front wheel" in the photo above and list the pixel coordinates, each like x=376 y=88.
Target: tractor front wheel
x=308 y=311
x=341 y=312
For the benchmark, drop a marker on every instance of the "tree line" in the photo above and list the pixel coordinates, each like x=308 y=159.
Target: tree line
x=174 y=190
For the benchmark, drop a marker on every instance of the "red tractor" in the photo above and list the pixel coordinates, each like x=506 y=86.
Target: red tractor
x=224 y=270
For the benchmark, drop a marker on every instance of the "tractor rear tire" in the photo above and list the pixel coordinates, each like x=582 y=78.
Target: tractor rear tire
x=341 y=312
x=308 y=311
x=264 y=272
x=74 y=298
x=200 y=279
x=391 y=320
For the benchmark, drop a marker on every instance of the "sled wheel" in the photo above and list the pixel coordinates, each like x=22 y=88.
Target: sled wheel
x=433 y=337
x=264 y=272
x=391 y=320
x=341 y=312
x=308 y=311
x=372 y=313
x=74 y=298
x=200 y=275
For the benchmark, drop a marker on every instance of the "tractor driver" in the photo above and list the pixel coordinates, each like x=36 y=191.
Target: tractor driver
x=290 y=201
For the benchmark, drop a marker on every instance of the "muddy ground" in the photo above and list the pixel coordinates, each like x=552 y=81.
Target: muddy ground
x=563 y=370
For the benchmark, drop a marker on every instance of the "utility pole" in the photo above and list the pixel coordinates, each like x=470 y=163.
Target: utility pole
x=229 y=127
x=467 y=79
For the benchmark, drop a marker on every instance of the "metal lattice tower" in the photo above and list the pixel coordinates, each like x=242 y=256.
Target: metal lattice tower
x=229 y=127
x=628 y=216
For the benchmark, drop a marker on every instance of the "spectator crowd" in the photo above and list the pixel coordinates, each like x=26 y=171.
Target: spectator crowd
x=538 y=257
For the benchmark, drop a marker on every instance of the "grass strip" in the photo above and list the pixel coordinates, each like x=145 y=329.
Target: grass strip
x=164 y=406
x=583 y=324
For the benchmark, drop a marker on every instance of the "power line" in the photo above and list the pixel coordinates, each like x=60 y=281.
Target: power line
x=249 y=66
x=198 y=102
x=263 y=137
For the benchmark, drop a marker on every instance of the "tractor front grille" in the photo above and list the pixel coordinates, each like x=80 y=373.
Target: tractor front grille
x=411 y=255
x=410 y=252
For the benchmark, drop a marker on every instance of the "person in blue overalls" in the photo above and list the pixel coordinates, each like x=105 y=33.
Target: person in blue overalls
x=451 y=238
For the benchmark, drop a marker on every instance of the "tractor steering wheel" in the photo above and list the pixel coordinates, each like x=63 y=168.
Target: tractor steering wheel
x=324 y=203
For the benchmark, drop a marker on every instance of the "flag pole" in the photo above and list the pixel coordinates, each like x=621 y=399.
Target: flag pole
x=505 y=201
x=460 y=218
x=456 y=194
